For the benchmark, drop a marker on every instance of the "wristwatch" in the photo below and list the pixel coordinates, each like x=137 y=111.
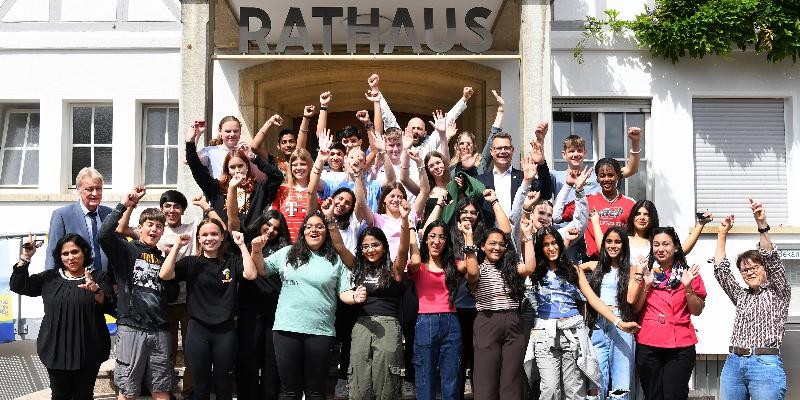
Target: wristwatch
x=764 y=229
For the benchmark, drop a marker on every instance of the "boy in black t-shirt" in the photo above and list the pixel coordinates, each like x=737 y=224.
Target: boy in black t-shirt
x=142 y=339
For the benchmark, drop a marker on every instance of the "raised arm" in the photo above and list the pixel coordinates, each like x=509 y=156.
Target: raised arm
x=261 y=136
x=632 y=165
x=231 y=205
x=639 y=285
x=499 y=215
x=776 y=272
x=761 y=222
x=208 y=211
x=200 y=173
x=362 y=209
x=405 y=157
x=693 y=301
x=336 y=236
x=424 y=186
x=257 y=255
x=123 y=227
x=497 y=127
x=414 y=259
x=470 y=265
x=325 y=142
x=529 y=266
x=167 y=271
x=388 y=118
x=594 y=217
x=399 y=265
x=302 y=136
x=110 y=242
x=689 y=243
x=21 y=282
x=249 y=270
x=325 y=99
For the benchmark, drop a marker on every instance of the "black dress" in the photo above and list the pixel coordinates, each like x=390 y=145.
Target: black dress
x=73 y=333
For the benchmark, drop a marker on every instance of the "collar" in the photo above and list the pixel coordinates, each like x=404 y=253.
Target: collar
x=496 y=172
x=85 y=210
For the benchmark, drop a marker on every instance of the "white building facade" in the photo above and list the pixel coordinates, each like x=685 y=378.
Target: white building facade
x=112 y=83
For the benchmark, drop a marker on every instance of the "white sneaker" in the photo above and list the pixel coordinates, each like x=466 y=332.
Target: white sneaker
x=408 y=391
x=342 y=390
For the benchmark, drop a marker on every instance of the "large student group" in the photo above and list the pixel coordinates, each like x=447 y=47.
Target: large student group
x=437 y=270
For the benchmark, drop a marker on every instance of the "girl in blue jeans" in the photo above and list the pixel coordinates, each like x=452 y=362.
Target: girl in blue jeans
x=437 y=338
x=613 y=347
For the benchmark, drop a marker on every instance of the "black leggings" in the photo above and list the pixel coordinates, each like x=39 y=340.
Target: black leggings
x=256 y=352
x=207 y=348
x=664 y=373
x=466 y=317
x=303 y=364
x=75 y=384
x=345 y=320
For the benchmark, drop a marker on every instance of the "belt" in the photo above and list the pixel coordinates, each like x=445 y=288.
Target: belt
x=754 y=351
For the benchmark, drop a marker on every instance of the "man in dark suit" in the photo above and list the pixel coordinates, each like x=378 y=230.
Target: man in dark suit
x=83 y=217
x=506 y=180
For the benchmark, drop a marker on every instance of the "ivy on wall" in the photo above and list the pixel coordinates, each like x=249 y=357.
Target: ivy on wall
x=696 y=28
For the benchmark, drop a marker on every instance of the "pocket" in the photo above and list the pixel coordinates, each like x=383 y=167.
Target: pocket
x=770 y=360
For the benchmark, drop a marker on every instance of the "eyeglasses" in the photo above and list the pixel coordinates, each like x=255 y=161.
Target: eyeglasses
x=318 y=227
x=752 y=270
x=500 y=245
x=434 y=236
x=503 y=148
x=373 y=246
x=470 y=212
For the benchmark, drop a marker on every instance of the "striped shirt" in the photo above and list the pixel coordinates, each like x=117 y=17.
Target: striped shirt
x=491 y=293
x=760 y=317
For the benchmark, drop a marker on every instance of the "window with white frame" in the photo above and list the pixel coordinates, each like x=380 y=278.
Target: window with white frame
x=19 y=160
x=92 y=129
x=603 y=124
x=160 y=144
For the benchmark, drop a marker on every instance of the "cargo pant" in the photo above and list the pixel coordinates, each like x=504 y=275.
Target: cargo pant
x=376 y=358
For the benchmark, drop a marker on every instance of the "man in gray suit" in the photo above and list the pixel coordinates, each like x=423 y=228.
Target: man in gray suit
x=83 y=217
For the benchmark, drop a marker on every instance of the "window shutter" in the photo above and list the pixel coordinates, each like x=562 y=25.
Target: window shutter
x=601 y=104
x=740 y=152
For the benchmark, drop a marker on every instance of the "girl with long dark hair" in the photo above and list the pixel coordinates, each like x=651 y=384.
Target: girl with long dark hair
x=643 y=220
x=437 y=338
x=313 y=276
x=669 y=291
x=499 y=337
x=560 y=335
x=211 y=285
x=376 y=356
x=614 y=348
x=258 y=300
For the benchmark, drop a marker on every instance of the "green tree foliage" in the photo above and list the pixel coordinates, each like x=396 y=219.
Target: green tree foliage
x=696 y=28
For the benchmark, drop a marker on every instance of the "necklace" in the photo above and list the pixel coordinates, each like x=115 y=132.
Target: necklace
x=611 y=200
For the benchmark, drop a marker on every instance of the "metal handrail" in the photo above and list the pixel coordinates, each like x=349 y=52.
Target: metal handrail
x=7 y=236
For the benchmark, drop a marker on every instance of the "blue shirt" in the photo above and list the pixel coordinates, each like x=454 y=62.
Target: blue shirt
x=556 y=298
x=373 y=191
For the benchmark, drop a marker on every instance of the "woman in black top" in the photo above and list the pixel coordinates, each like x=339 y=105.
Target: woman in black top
x=258 y=300
x=376 y=355
x=251 y=196
x=211 y=279
x=73 y=340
